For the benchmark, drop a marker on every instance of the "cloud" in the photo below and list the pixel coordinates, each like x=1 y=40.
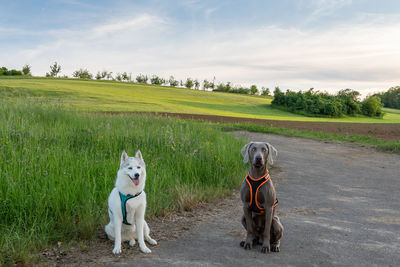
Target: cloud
x=132 y=24
x=362 y=55
x=327 y=7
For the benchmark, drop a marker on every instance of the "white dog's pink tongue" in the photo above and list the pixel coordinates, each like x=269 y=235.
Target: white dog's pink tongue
x=136 y=181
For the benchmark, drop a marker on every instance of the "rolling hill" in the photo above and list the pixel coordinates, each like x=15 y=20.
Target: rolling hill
x=91 y=95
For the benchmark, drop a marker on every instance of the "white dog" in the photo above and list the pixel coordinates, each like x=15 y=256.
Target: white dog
x=127 y=205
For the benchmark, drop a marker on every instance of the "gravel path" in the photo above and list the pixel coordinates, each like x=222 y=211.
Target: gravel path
x=339 y=204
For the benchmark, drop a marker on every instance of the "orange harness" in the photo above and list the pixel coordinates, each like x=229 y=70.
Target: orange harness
x=257 y=183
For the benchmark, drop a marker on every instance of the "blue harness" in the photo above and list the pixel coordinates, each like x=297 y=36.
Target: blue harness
x=124 y=199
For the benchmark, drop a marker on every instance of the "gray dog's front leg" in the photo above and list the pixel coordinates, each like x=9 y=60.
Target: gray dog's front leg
x=250 y=228
x=267 y=231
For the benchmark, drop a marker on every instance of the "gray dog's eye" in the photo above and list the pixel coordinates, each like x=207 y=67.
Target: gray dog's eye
x=130 y=168
x=138 y=167
x=263 y=149
x=254 y=149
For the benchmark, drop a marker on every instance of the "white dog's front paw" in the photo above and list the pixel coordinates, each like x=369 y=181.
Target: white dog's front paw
x=132 y=242
x=145 y=249
x=117 y=249
x=151 y=241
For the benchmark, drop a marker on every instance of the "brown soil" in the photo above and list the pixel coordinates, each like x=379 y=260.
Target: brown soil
x=383 y=131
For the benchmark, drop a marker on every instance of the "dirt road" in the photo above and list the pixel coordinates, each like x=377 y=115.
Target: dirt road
x=339 y=204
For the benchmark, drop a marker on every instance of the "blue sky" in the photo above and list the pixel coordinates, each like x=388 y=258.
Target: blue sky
x=325 y=44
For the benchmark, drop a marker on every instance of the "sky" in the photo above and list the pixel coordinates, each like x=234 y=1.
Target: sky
x=294 y=44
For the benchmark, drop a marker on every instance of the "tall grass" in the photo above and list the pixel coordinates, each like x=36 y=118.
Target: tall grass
x=58 y=167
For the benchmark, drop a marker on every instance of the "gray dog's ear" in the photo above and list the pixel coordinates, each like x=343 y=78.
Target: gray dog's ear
x=124 y=156
x=139 y=155
x=245 y=152
x=272 y=152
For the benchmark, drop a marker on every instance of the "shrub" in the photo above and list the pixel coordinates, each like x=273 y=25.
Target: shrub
x=4 y=71
x=372 y=107
x=317 y=103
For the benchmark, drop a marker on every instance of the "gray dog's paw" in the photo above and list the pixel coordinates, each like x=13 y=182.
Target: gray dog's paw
x=275 y=248
x=265 y=249
x=247 y=245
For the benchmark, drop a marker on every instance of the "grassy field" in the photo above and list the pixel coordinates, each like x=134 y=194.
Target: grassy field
x=88 y=95
x=58 y=167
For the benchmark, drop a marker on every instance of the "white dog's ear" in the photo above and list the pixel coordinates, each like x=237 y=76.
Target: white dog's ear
x=245 y=152
x=139 y=155
x=124 y=156
x=272 y=152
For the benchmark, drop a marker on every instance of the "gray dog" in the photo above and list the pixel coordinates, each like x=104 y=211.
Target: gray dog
x=259 y=199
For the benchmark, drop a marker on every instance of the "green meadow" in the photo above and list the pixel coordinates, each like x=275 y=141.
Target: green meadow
x=58 y=164
x=90 y=95
x=58 y=167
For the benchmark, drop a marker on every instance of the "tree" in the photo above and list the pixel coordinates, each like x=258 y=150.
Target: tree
x=157 y=80
x=109 y=75
x=208 y=85
x=350 y=93
x=196 y=84
x=372 y=106
x=253 y=89
x=103 y=75
x=390 y=98
x=142 y=78
x=350 y=103
x=54 y=70
x=98 y=76
x=265 y=92
x=189 y=83
x=118 y=77
x=172 y=81
x=82 y=74
x=126 y=77
x=26 y=70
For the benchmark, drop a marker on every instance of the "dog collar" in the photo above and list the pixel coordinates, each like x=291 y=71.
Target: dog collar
x=124 y=199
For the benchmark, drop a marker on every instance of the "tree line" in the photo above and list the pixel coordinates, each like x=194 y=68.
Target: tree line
x=314 y=103
x=26 y=70
x=189 y=83
x=390 y=98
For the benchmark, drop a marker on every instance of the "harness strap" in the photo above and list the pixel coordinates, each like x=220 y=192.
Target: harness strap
x=257 y=183
x=124 y=199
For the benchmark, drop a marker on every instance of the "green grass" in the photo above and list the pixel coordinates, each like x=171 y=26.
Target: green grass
x=58 y=167
x=89 y=95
